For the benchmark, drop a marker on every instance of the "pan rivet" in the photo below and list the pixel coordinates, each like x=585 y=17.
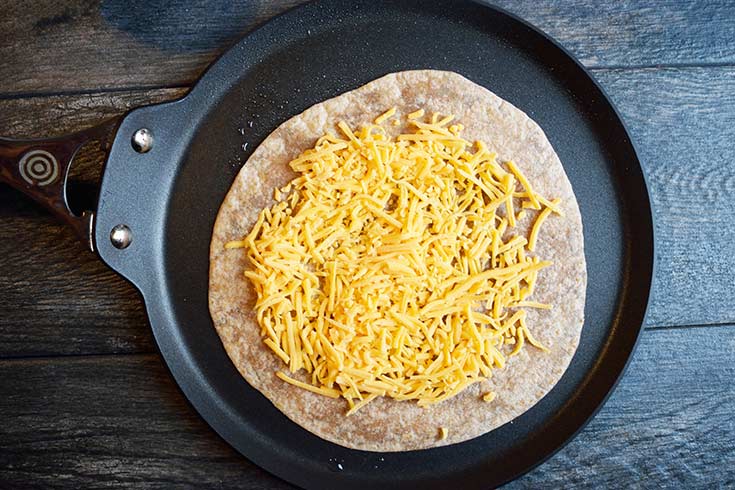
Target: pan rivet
x=121 y=236
x=142 y=140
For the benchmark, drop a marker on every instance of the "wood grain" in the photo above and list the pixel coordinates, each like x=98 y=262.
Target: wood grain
x=46 y=45
x=63 y=427
x=635 y=33
x=116 y=421
x=669 y=423
x=682 y=121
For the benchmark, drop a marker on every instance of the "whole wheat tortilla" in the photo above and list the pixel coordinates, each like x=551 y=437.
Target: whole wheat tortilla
x=386 y=424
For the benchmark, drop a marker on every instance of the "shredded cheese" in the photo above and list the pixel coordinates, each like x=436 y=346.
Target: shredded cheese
x=488 y=397
x=416 y=114
x=386 y=115
x=533 y=236
x=390 y=266
x=443 y=433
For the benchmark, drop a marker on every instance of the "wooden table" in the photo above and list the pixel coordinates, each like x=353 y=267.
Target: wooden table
x=85 y=399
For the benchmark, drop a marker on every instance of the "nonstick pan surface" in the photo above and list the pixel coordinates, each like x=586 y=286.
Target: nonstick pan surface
x=169 y=197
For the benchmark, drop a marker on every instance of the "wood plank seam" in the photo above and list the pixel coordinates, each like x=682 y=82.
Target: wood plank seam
x=131 y=88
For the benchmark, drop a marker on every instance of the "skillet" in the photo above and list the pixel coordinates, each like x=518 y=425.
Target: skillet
x=169 y=166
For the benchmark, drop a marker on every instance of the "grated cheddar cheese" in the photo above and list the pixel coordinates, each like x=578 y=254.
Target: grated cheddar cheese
x=443 y=433
x=389 y=267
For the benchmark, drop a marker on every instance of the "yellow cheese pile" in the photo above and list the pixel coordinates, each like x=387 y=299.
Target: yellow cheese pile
x=389 y=266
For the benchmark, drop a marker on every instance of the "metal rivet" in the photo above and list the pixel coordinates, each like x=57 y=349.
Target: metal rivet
x=142 y=140
x=121 y=236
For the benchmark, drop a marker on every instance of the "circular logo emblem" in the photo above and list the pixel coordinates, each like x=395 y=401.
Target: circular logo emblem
x=38 y=167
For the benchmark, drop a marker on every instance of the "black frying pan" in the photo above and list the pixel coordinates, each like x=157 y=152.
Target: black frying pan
x=156 y=210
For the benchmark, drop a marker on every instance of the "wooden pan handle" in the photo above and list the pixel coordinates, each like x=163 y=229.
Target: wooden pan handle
x=39 y=168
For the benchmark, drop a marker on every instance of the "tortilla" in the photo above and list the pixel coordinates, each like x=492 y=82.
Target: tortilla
x=386 y=424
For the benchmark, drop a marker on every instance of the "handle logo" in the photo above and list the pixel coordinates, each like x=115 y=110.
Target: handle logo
x=38 y=167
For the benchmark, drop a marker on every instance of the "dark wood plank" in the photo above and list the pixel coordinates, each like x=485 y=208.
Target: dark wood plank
x=56 y=297
x=47 y=45
x=682 y=121
x=634 y=33
x=116 y=421
x=47 y=116
x=669 y=423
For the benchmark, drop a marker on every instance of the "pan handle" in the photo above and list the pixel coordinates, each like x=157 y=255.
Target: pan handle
x=40 y=168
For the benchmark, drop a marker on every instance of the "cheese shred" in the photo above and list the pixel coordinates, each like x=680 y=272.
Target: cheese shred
x=391 y=266
x=385 y=116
